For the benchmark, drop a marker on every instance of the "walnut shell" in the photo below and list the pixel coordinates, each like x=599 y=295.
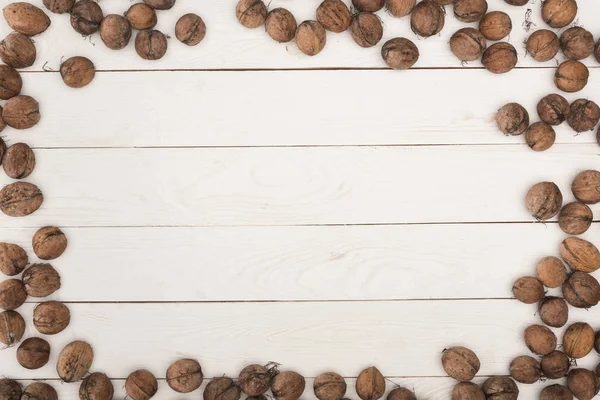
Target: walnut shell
x=500 y=58
x=553 y=109
x=468 y=44
x=554 y=311
x=467 y=391
x=223 y=388
x=10 y=389
x=141 y=385
x=586 y=187
x=501 y=388
x=41 y=280
x=281 y=25
x=460 y=363
x=311 y=37
x=512 y=119
x=255 y=380
x=571 y=76
x=19 y=161
x=581 y=290
x=251 y=13
x=13 y=259
x=555 y=365
x=51 y=317
x=578 y=340
x=495 y=25
x=544 y=200
x=115 y=31
x=17 y=50
x=540 y=136
x=49 y=243
x=151 y=44
x=443 y=2
x=370 y=384
x=400 y=8
x=580 y=254
x=21 y=112
x=287 y=385
x=86 y=17
x=10 y=82
x=559 y=13
x=527 y=290
x=77 y=72
x=366 y=29
x=575 y=218
x=20 y=199
x=26 y=18
x=59 y=6
x=401 y=393
x=185 y=375
x=540 y=340
x=556 y=392
x=583 y=115
x=368 y=5
x=33 y=353
x=190 y=29
x=330 y=386
x=516 y=2
x=160 y=4
x=470 y=10
x=577 y=43
x=141 y=16
x=427 y=18
x=12 y=294
x=525 y=369
x=39 y=391
x=543 y=45
x=584 y=384
x=551 y=272
x=74 y=361
x=334 y=15
x=12 y=327
x=400 y=53
x=96 y=386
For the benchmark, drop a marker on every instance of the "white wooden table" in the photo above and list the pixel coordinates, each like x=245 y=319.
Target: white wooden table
x=239 y=202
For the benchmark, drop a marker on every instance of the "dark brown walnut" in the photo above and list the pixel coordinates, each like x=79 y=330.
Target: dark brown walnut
x=586 y=186
x=12 y=294
x=19 y=161
x=41 y=280
x=223 y=388
x=368 y=5
x=556 y=392
x=580 y=254
x=21 y=112
x=334 y=15
x=400 y=53
x=540 y=340
x=460 y=363
x=370 y=384
x=553 y=109
x=51 y=317
x=311 y=37
x=468 y=44
x=581 y=290
x=151 y=44
x=10 y=82
x=583 y=115
x=13 y=259
x=577 y=43
x=554 y=311
x=571 y=76
x=551 y=271
x=141 y=16
x=500 y=58
x=525 y=369
x=75 y=360
x=555 y=365
x=251 y=13
x=543 y=45
x=59 y=6
x=287 y=385
x=39 y=391
x=96 y=386
x=26 y=18
x=12 y=327
x=10 y=389
x=366 y=29
x=528 y=290
x=597 y=345
x=17 y=50
x=33 y=353
x=578 y=340
x=185 y=375
x=281 y=25
x=115 y=31
x=583 y=383
x=559 y=13
x=516 y=2
x=470 y=10
x=401 y=393
x=330 y=386
x=49 y=243
x=400 y=8
x=500 y=388
x=77 y=72
x=544 y=200
x=467 y=391
x=20 y=199
x=575 y=218
x=540 y=136
x=160 y=4
x=495 y=25
x=141 y=385
x=86 y=17
x=190 y=29
x=255 y=379
x=427 y=18
x=512 y=119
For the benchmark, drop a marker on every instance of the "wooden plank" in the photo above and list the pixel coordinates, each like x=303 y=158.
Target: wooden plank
x=295 y=186
x=228 y=45
x=298 y=263
x=403 y=338
x=286 y=108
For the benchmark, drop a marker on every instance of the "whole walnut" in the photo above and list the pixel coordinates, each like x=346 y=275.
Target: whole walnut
x=512 y=119
x=13 y=259
x=528 y=290
x=470 y=10
x=115 y=31
x=468 y=44
x=160 y=4
x=51 y=317
x=59 y=6
x=49 y=242
x=86 y=17
x=39 y=391
x=41 y=280
x=151 y=44
x=500 y=387
x=571 y=76
x=77 y=72
x=401 y=393
x=543 y=45
x=330 y=386
x=495 y=25
x=10 y=389
x=553 y=109
x=12 y=294
x=96 y=386
x=141 y=16
x=400 y=8
x=12 y=327
x=499 y=58
x=281 y=25
x=366 y=29
x=26 y=18
x=467 y=391
x=559 y=13
x=311 y=37
x=222 y=388
x=190 y=29
x=21 y=112
x=74 y=361
x=544 y=200
x=583 y=383
x=334 y=15
x=551 y=271
x=255 y=380
x=427 y=18
x=540 y=340
x=19 y=161
x=577 y=43
x=556 y=392
x=141 y=385
x=578 y=340
x=555 y=365
x=400 y=53
x=185 y=375
x=525 y=369
x=575 y=218
x=540 y=136
x=17 y=50
x=554 y=311
x=460 y=363
x=580 y=254
x=368 y=5
x=251 y=13
x=581 y=290
x=33 y=353
x=10 y=83
x=583 y=115
x=20 y=199
x=586 y=187
x=287 y=385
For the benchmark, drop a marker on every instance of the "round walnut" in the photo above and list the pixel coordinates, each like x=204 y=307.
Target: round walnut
x=287 y=385
x=370 y=384
x=115 y=31
x=190 y=29
x=528 y=290
x=495 y=25
x=160 y=4
x=470 y=10
x=583 y=115
x=555 y=365
x=13 y=259
x=75 y=360
x=551 y=271
x=468 y=44
x=10 y=82
x=540 y=340
x=185 y=375
x=554 y=311
x=525 y=369
x=21 y=112
x=255 y=380
x=556 y=392
x=571 y=76
x=544 y=200
x=580 y=254
x=223 y=388
x=141 y=385
x=151 y=44
x=401 y=393
x=59 y=6
x=329 y=386
x=366 y=29
x=427 y=18
x=586 y=187
x=512 y=119
x=10 y=389
x=311 y=37
x=19 y=161
x=17 y=50
x=583 y=383
x=540 y=136
x=51 y=317
x=39 y=391
x=49 y=243
x=500 y=58
x=575 y=218
x=12 y=294
x=26 y=18
x=20 y=199
x=577 y=43
x=500 y=387
x=141 y=16
x=553 y=109
x=559 y=13
x=12 y=327
x=467 y=391
x=581 y=290
x=281 y=25
x=460 y=363
x=41 y=280
x=400 y=53
x=86 y=17
x=33 y=353
x=251 y=13
x=334 y=15
x=96 y=386
x=578 y=340
x=400 y=8
x=368 y=5
x=77 y=72
x=543 y=45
